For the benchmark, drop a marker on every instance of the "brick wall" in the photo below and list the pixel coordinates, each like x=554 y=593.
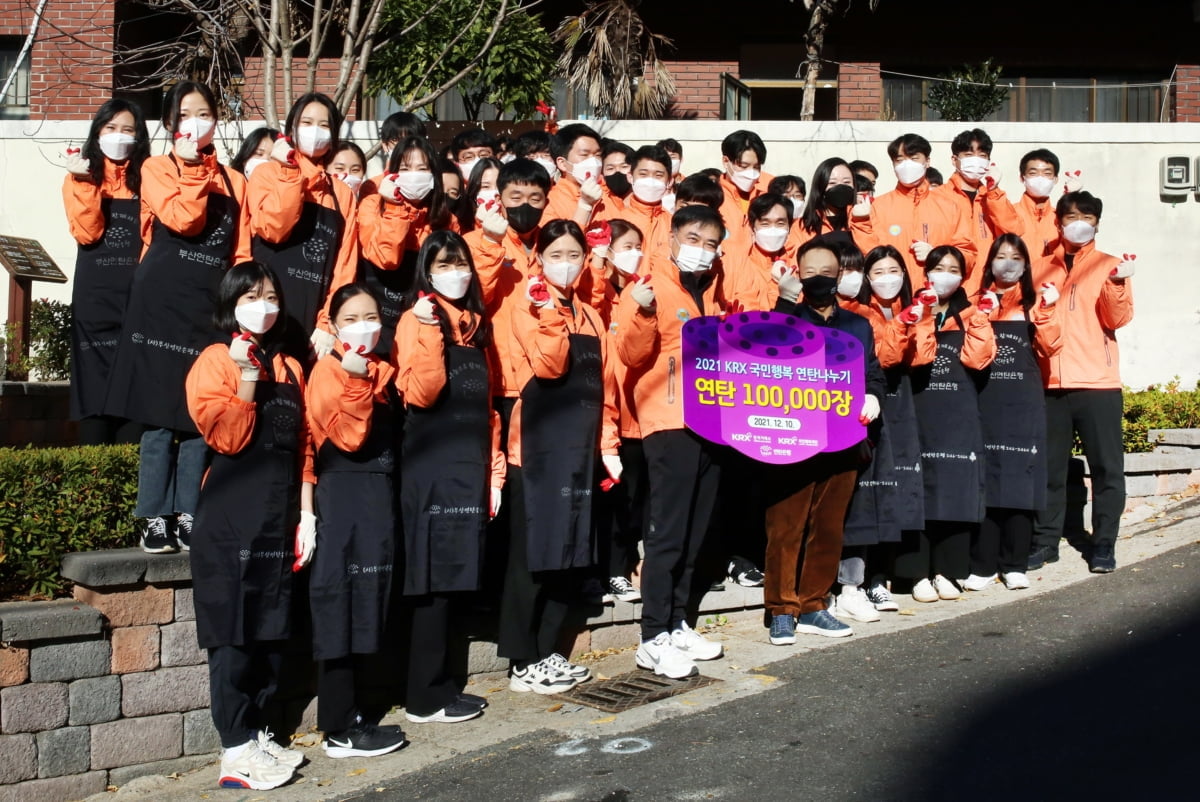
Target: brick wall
x=1187 y=93
x=255 y=83
x=698 y=87
x=860 y=91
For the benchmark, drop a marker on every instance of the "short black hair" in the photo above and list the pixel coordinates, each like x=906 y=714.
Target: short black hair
x=859 y=164
x=712 y=174
x=1040 y=155
x=652 y=153
x=962 y=143
x=401 y=125
x=911 y=144
x=670 y=146
x=819 y=244
x=249 y=145
x=737 y=143
x=765 y=203
x=237 y=281
x=699 y=188
x=353 y=148
x=611 y=146
x=523 y=171
x=934 y=176
x=1082 y=201
x=531 y=142
x=704 y=215
x=622 y=227
x=780 y=184
x=335 y=120
x=472 y=138
x=864 y=184
x=564 y=140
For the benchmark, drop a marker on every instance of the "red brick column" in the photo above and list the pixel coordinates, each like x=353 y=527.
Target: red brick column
x=860 y=91
x=698 y=87
x=1187 y=93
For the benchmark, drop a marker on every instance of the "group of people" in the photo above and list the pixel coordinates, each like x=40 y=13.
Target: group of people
x=363 y=383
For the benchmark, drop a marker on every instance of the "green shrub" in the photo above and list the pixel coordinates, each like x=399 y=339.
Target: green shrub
x=57 y=500
x=1166 y=407
x=49 y=340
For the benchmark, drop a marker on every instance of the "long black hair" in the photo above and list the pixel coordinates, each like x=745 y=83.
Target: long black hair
x=959 y=300
x=436 y=244
x=436 y=200
x=816 y=212
x=866 y=295
x=1028 y=293
x=237 y=281
x=249 y=145
x=170 y=118
x=335 y=121
x=141 y=145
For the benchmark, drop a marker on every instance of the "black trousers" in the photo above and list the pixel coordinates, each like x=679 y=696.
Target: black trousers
x=337 y=706
x=621 y=513
x=684 y=477
x=1002 y=542
x=430 y=684
x=1096 y=416
x=741 y=512
x=101 y=430
x=534 y=605
x=241 y=681
x=943 y=547
x=499 y=530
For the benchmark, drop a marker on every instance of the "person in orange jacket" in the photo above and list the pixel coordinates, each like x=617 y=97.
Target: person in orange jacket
x=563 y=425
x=255 y=150
x=912 y=218
x=1012 y=407
x=683 y=469
x=255 y=524
x=975 y=188
x=1039 y=174
x=743 y=155
x=100 y=194
x=194 y=224
x=752 y=266
x=579 y=194
x=348 y=164
x=1083 y=381
x=834 y=206
x=303 y=222
x=651 y=179
x=952 y=451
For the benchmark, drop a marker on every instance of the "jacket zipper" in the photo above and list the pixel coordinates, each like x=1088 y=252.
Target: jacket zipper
x=1107 y=353
x=1072 y=305
x=671 y=380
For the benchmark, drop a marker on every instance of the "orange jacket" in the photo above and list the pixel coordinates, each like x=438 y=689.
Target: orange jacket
x=734 y=207
x=916 y=213
x=176 y=194
x=1040 y=233
x=1090 y=311
x=861 y=231
x=989 y=214
x=979 y=340
x=651 y=343
x=652 y=220
x=421 y=355
x=339 y=406
x=610 y=301
x=564 y=199
x=503 y=269
x=541 y=349
x=81 y=199
x=1047 y=336
x=386 y=230
x=276 y=197
x=225 y=421
x=746 y=270
x=896 y=342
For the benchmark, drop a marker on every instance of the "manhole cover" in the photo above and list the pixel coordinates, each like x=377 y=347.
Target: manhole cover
x=634 y=689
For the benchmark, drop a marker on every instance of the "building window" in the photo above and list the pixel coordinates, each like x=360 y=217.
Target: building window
x=16 y=102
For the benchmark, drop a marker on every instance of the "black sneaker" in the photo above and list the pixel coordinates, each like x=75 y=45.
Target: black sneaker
x=364 y=740
x=155 y=537
x=450 y=714
x=745 y=573
x=183 y=531
x=1103 y=559
x=472 y=699
x=1041 y=555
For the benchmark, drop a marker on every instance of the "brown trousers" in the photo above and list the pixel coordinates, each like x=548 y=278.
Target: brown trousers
x=806 y=511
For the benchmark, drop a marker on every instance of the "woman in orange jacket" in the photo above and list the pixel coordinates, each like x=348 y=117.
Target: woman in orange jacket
x=195 y=224
x=1012 y=406
x=563 y=424
x=254 y=523
x=255 y=150
x=100 y=194
x=408 y=206
x=832 y=205
x=303 y=222
x=953 y=457
x=452 y=466
x=350 y=407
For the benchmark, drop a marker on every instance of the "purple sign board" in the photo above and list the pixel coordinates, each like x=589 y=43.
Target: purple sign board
x=776 y=388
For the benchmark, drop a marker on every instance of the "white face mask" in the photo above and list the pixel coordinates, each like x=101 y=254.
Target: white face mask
x=771 y=239
x=362 y=334
x=973 y=167
x=588 y=168
x=252 y=163
x=256 y=317
x=694 y=259
x=668 y=202
x=313 y=140
x=850 y=283
x=415 y=184
x=944 y=284
x=550 y=167
x=649 y=190
x=117 y=146
x=352 y=181
x=887 y=286
x=1008 y=271
x=626 y=261
x=1079 y=232
x=1039 y=186
x=199 y=129
x=466 y=167
x=561 y=274
x=909 y=172
x=506 y=158
x=486 y=195
x=744 y=179
x=676 y=164
x=797 y=207
x=452 y=284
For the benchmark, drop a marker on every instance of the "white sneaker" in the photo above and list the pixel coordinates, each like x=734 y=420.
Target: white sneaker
x=879 y=595
x=664 y=659
x=946 y=589
x=540 y=678
x=976 y=582
x=253 y=768
x=1015 y=580
x=621 y=589
x=853 y=603
x=288 y=757
x=567 y=668
x=923 y=591
x=695 y=645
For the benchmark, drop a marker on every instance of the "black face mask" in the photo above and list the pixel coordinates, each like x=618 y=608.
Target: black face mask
x=618 y=184
x=840 y=196
x=819 y=291
x=524 y=218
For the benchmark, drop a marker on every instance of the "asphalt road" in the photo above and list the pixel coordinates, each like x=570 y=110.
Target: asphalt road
x=1091 y=692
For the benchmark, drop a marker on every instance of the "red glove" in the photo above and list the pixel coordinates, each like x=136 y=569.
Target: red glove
x=608 y=484
x=987 y=302
x=732 y=308
x=926 y=296
x=537 y=293
x=388 y=188
x=912 y=315
x=599 y=234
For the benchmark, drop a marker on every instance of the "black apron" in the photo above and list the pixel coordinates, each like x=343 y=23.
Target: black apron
x=560 y=425
x=1012 y=406
x=871 y=516
x=304 y=263
x=99 y=293
x=900 y=430
x=243 y=539
x=169 y=319
x=952 y=456
x=445 y=494
x=350 y=581
x=391 y=286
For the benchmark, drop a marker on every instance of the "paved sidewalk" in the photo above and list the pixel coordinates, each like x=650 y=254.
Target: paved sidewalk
x=745 y=670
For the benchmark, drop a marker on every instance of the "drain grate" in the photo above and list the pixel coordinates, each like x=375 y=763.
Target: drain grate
x=634 y=689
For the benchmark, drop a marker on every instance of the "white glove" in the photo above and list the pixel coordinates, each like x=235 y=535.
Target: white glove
x=388 y=189
x=1125 y=269
x=425 y=310
x=306 y=539
x=322 y=342
x=870 y=410
x=862 y=209
x=355 y=363
x=537 y=293
x=612 y=464
x=283 y=152
x=1072 y=181
x=244 y=354
x=642 y=293
x=186 y=149
x=497 y=495
x=590 y=193
x=920 y=249
x=1050 y=295
x=76 y=164
x=494 y=224
x=788 y=280
x=987 y=302
x=991 y=179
